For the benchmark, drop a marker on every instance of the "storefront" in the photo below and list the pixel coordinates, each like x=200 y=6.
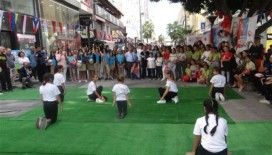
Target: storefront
x=60 y=25
x=22 y=11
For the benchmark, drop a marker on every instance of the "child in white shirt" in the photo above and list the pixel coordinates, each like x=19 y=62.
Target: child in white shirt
x=94 y=93
x=59 y=81
x=120 y=97
x=151 y=66
x=218 y=83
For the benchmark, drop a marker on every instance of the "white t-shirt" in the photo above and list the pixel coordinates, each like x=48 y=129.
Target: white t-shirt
x=217 y=142
x=49 y=92
x=173 y=57
x=120 y=90
x=159 y=61
x=172 y=86
x=218 y=81
x=91 y=88
x=58 y=79
x=205 y=55
x=139 y=51
x=181 y=56
x=22 y=60
x=151 y=62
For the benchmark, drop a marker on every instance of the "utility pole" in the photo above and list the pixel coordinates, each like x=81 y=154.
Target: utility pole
x=140 y=12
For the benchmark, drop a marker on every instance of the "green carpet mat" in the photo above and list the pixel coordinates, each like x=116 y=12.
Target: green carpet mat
x=144 y=107
x=88 y=128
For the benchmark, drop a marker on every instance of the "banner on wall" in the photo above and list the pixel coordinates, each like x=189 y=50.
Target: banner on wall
x=11 y=19
x=35 y=24
x=205 y=38
x=246 y=33
x=1 y=17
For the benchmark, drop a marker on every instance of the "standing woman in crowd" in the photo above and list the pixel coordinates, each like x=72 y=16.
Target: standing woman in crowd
x=59 y=81
x=172 y=61
x=81 y=66
x=90 y=64
x=165 y=56
x=53 y=61
x=22 y=58
x=61 y=57
x=72 y=62
x=97 y=60
x=226 y=57
x=210 y=132
x=4 y=71
x=170 y=91
x=120 y=61
x=50 y=97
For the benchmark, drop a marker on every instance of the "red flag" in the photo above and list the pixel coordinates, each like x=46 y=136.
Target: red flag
x=54 y=26
x=60 y=27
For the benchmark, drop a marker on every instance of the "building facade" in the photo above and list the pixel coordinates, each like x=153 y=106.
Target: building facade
x=57 y=23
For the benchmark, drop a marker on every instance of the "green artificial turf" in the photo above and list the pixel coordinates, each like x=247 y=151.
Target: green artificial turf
x=89 y=128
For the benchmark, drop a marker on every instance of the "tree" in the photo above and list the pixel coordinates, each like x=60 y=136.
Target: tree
x=176 y=32
x=230 y=7
x=161 y=39
x=148 y=29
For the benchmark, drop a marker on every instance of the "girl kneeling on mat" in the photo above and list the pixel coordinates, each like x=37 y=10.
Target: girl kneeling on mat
x=218 y=83
x=50 y=97
x=95 y=93
x=170 y=91
x=210 y=132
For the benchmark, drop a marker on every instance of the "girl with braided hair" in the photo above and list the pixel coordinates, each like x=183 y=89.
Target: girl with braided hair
x=210 y=132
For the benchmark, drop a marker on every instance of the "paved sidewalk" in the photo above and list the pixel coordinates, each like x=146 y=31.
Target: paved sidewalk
x=15 y=108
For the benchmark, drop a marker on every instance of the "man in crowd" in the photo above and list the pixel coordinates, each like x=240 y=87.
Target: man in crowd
x=41 y=63
x=4 y=71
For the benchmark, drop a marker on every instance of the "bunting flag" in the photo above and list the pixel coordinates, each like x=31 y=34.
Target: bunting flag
x=45 y=25
x=60 y=27
x=16 y=17
x=54 y=26
x=1 y=17
x=24 y=23
x=35 y=24
x=11 y=19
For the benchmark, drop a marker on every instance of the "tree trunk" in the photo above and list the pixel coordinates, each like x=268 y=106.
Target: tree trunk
x=264 y=27
x=147 y=40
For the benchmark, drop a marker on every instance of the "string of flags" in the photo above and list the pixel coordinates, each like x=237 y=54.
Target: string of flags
x=13 y=17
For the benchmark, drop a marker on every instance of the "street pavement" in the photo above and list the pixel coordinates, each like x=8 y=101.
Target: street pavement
x=240 y=110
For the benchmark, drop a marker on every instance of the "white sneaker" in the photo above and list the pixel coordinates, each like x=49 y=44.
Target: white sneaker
x=98 y=100
x=1 y=93
x=217 y=97
x=161 y=102
x=264 y=101
x=79 y=81
x=88 y=100
x=175 y=99
x=221 y=97
x=86 y=81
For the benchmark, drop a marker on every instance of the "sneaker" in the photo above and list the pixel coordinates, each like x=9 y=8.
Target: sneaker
x=43 y=123
x=161 y=102
x=221 y=97
x=79 y=81
x=175 y=99
x=86 y=81
x=1 y=93
x=88 y=100
x=217 y=97
x=264 y=101
x=38 y=123
x=98 y=100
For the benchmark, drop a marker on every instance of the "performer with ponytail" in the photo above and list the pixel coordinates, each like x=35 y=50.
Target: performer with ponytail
x=210 y=132
x=50 y=97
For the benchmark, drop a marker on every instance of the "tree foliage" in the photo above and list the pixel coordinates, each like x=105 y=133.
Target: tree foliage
x=176 y=32
x=230 y=7
x=148 y=29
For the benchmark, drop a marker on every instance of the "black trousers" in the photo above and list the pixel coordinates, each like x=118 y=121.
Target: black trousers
x=267 y=92
x=41 y=70
x=202 y=151
x=168 y=96
x=51 y=110
x=143 y=71
x=99 y=90
x=217 y=90
x=26 y=82
x=122 y=108
x=5 y=80
x=151 y=73
x=159 y=72
x=128 y=69
x=61 y=95
x=34 y=72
